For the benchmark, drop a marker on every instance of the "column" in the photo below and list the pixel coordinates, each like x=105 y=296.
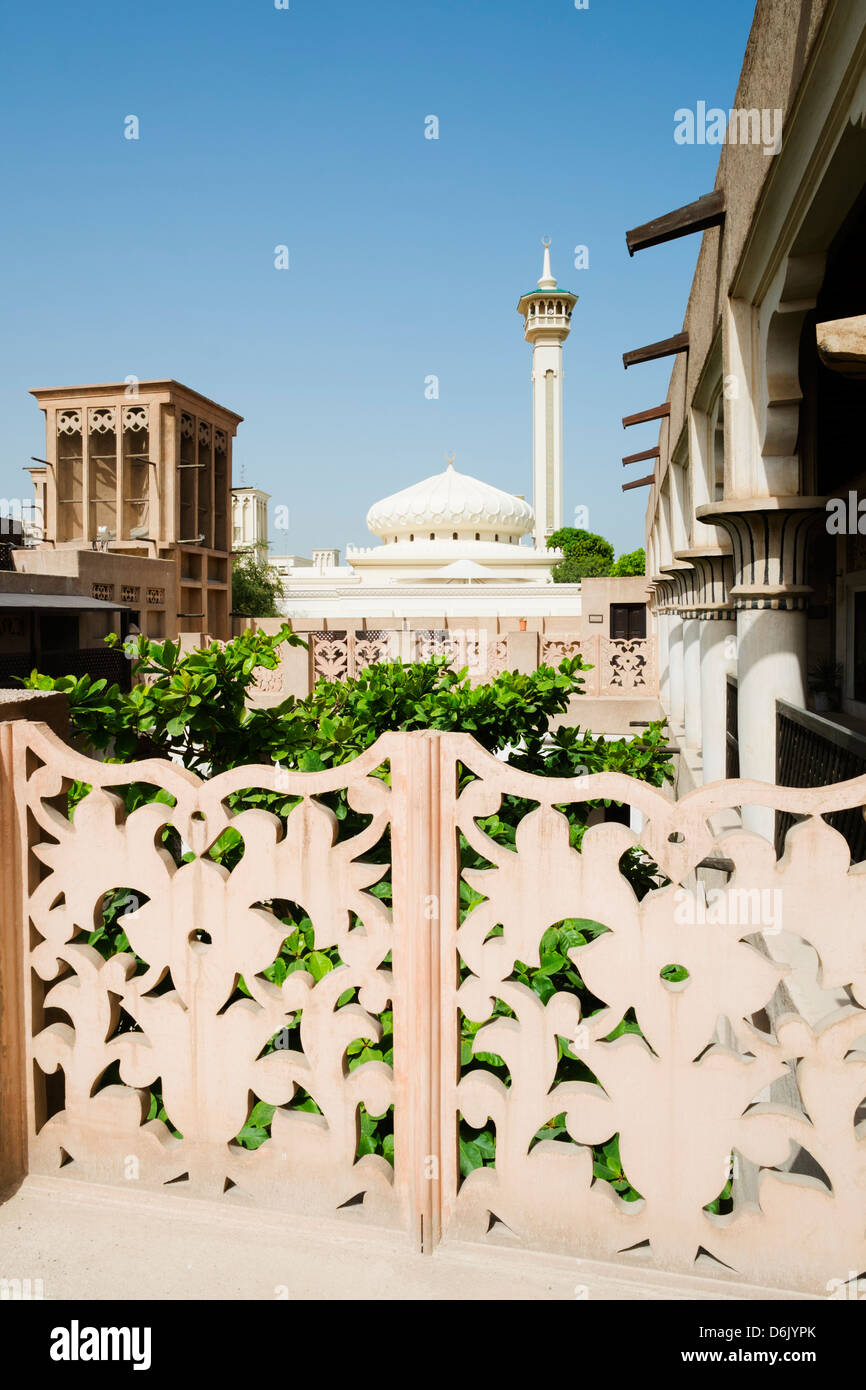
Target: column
x=718 y=658
x=663 y=633
x=768 y=541
x=771 y=666
x=676 y=643
x=676 y=706
x=704 y=589
x=692 y=681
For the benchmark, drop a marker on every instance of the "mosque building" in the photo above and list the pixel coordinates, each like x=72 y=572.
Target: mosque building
x=453 y=543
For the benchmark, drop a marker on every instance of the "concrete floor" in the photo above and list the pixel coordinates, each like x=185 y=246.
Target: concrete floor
x=87 y=1242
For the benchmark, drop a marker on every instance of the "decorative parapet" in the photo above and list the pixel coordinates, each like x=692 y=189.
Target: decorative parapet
x=620 y=666
x=768 y=547
x=338 y=655
x=625 y=666
x=329 y=654
x=680 y=1075
x=684 y=1088
x=202 y=1044
x=561 y=647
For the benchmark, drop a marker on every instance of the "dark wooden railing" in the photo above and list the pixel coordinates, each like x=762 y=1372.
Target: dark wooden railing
x=812 y=751
x=97 y=662
x=732 y=746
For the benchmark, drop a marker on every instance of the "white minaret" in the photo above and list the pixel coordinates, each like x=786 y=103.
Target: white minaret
x=546 y=325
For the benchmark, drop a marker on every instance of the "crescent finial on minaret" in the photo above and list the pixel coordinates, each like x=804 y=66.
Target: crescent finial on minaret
x=548 y=279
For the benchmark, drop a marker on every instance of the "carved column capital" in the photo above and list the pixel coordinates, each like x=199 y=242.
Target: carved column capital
x=680 y=578
x=709 y=596
x=661 y=595
x=768 y=547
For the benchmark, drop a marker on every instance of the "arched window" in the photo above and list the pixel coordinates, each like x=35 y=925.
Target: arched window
x=453 y=535
x=478 y=535
x=432 y=535
x=412 y=537
x=496 y=537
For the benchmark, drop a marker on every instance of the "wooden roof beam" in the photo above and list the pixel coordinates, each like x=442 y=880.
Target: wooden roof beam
x=639 y=482
x=708 y=211
x=658 y=412
x=639 y=458
x=667 y=347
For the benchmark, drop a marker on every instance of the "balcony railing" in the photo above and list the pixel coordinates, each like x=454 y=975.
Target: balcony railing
x=814 y=752
x=732 y=741
x=620 y=666
x=97 y=662
x=731 y=1123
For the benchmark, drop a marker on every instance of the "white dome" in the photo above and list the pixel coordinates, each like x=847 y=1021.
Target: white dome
x=450 y=503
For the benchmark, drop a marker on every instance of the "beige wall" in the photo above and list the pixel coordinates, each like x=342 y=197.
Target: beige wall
x=599 y=594
x=780 y=44
x=92 y=573
x=596 y=597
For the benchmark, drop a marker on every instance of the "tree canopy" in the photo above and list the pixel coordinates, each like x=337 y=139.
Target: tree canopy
x=632 y=562
x=590 y=556
x=256 y=587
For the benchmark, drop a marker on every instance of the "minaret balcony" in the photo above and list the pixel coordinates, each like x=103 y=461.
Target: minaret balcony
x=544 y=315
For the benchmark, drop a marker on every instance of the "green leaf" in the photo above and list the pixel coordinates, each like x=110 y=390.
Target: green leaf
x=471 y=1157
x=318 y=964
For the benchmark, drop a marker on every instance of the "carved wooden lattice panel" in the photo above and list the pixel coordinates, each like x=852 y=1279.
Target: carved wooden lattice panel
x=626 y=666
x=268 y=682
x=752 y=1063
x=167 y=1015
x=484 y=656
x=331 y=655
x=339 y=655
x=373 y=645
x=558 y=648
x=497 y=657
x=430 y=642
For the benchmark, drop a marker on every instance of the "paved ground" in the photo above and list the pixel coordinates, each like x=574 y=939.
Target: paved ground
x=89 y=1242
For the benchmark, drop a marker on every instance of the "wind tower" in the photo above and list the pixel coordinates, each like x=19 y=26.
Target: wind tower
x=546 y=325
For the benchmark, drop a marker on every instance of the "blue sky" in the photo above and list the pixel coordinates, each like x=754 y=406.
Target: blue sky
x=305 y=127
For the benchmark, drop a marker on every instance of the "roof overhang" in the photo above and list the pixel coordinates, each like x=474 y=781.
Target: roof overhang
x=59 y=603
